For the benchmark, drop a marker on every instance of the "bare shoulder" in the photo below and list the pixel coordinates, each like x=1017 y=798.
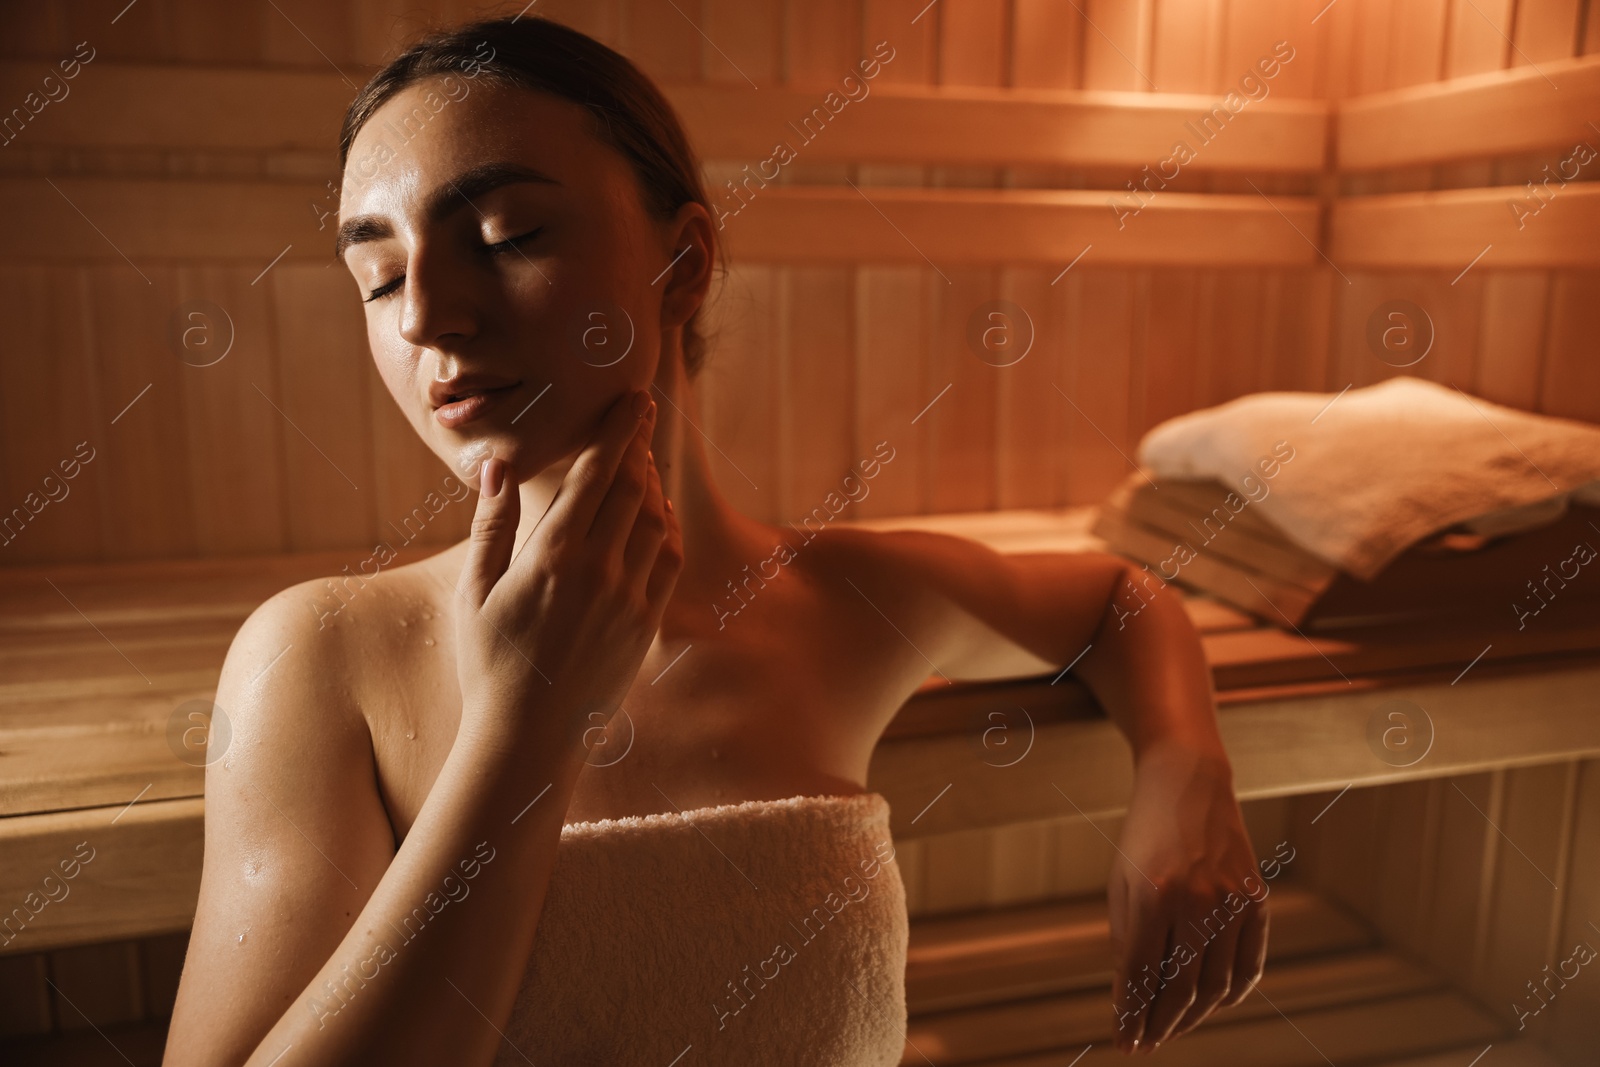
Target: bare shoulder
x=975 y=613
x=296 y=835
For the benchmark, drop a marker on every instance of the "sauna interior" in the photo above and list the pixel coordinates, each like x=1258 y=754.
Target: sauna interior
x=989 y=255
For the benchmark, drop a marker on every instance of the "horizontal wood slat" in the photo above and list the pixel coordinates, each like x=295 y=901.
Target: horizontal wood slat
x=146 y=220
x=1281 y=746
x=138 y=106
x=142 y=874
x=1008 y=127
x=1020 y=227
x=1510 y=226
x=1501 y=113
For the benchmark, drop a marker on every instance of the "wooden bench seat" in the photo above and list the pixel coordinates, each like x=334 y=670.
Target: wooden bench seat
x=97 y=658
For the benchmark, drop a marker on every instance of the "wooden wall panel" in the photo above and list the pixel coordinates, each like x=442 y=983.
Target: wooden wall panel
x=321 y=385
x=49 y=404
x=1571 y=379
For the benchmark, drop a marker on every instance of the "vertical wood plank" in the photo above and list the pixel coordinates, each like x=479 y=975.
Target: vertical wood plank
x=1571 y=386
x=739 y=394
x=1479 y=39
x=1404 y=854
x=1021 y=862
x=816 y=401
x=306 y=33
x=1047 y=44
x=1545 y=29
x=1098 y=382
x=146 y=494
x=1527 y=896
x=892 y=303
x=824 y=41
x=99 y=986
x=160 y=967
x=742 y=43
x=662 y=38
x=891 y=353
x=816 y=337
x=49 y=403
x=1117 y=45
x=956 y=868
x=960 y=426
x=1573 y=1024
x=1418 y=49
x=1369 y=68
x=1511 y=337
x=1168 y=380
x=1083 y=854
x=321 y=343
x=1180 y=60
x=24 y=997
x=1032 y=419
x=236 y=427
x=973 y=37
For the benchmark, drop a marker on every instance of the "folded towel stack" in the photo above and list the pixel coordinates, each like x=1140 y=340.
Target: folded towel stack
x=769 y=932
x=1317 y=489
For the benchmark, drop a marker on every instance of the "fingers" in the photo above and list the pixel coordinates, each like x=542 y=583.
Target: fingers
x=1250 y=958
x=1216 y=975
x=649 y=530
x=1139 y=936
x=589 y=479
x=1178 y=979
x=494 y=531
x=620 y=506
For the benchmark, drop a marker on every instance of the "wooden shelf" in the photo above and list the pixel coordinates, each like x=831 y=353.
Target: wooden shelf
x=83 y=735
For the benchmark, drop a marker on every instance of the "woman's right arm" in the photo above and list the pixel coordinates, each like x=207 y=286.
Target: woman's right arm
x=317 y=942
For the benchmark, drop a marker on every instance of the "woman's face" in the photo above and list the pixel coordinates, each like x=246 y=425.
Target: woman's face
x=514 y=283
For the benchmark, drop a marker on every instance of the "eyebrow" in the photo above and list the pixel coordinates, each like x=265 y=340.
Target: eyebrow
x=470 y=183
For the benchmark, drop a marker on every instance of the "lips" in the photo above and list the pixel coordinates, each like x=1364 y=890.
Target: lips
x=464 y=385
x=467 y=397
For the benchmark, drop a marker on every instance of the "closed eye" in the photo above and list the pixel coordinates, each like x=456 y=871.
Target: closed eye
x=384 y=290
x=511 y=244
x=498 y=248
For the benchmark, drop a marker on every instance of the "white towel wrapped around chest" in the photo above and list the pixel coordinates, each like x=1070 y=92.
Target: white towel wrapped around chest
x=768 y=932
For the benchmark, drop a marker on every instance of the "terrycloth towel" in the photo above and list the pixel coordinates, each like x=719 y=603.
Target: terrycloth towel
x=770 y=932
x=1380 y=468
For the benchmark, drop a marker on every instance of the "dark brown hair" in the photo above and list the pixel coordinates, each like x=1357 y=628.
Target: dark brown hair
x=632 y=115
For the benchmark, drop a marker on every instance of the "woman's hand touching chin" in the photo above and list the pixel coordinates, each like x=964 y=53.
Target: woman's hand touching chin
x=1187 y=905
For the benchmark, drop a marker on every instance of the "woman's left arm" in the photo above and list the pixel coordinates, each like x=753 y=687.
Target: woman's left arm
x=1187 y=912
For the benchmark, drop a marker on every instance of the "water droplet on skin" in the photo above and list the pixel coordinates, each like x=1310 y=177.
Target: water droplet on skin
x=411 y=735
x=241 y=939
x=405 y=622
x=427 y=641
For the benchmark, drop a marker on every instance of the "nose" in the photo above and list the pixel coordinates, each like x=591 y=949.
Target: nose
x=439 y=310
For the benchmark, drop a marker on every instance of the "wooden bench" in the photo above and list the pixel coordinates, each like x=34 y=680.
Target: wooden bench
x=97 y=659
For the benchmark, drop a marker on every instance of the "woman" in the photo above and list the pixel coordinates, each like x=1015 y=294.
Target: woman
x=527 y=227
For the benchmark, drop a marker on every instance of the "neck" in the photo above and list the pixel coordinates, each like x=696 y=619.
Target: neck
x=713 y=531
